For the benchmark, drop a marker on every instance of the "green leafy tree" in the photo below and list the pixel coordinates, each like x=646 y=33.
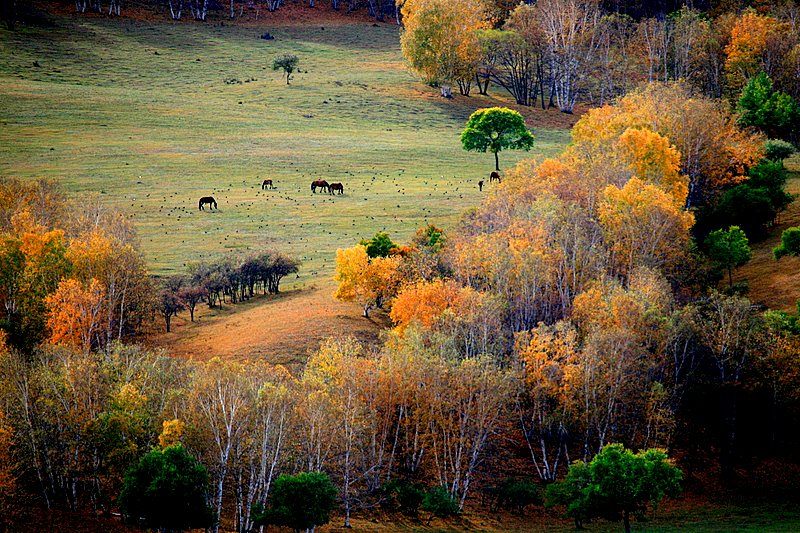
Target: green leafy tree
x=494 y=129
x=571 y=493
x=378 y=246
x=287 y=63
x=728 y=249
x=167 y=491
x=773 y=112
x=748 y=207
x=770 y=175
x=300 y=502
x=617 y=484
x=790 y=243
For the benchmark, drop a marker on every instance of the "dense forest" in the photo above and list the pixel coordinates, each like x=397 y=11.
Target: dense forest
x=588 y=301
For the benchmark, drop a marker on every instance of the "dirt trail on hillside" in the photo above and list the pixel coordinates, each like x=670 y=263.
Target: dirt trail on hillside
x=283 y=328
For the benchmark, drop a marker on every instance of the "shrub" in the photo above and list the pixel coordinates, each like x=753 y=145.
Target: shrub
x=790 y=243
x=439 y=502
x=166 y=490
x=516 y=494
x=300 y=502
x=778 y=150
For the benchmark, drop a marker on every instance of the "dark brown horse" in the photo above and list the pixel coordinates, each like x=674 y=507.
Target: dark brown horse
x=336 y=187
x=322 y=184
x=495 y=175
x=207 y=200
x=267 y=185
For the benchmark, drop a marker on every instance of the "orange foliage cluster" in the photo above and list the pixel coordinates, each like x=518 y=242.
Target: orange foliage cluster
x=63 y=279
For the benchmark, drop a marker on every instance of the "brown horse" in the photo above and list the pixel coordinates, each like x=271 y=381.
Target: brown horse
x=333 y=187
x=267 y=185
x=207 y=200
x=322 y=184
x=495 y=175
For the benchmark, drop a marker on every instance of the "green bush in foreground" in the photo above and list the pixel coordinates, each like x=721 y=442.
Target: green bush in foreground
x=616 y=485
x=300 y=502
x=790 y=243
x=439 y=502
x=166 y=491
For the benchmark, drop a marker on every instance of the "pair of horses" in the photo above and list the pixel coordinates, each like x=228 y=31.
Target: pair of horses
x=267 y=184
x=332 y=188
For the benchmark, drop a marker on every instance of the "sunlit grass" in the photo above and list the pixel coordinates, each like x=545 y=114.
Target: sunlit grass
x=153 y=116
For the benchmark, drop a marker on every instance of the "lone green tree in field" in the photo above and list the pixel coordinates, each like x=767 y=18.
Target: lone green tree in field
x=300 y=502
x=617 y=484
x=728 y=248
x=494 y=129
x=287 y=63
x=166 y=491
x=790 y=244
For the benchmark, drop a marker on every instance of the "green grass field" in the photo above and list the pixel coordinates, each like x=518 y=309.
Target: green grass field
x=154 y=115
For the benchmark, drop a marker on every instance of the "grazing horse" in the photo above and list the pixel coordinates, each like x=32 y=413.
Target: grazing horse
x=495 y=175
x=336 y=187
x=322 y=184
x=267 y=185
x=480 y=185
x=207 y=200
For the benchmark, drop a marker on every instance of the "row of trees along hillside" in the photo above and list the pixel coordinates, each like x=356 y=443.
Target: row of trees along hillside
x=232 y=279
x=561 y=52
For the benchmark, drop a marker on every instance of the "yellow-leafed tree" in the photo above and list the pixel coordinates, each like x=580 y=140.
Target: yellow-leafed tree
x=370 y=282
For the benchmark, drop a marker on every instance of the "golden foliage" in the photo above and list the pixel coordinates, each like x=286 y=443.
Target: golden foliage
x=370 y=282
x=749 y=38
x=171 y=433
x=644 y=226
x=76 y=313
x=440 y=40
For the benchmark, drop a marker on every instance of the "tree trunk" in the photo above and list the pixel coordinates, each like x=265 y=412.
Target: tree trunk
x=626 y=519
x=496 y=162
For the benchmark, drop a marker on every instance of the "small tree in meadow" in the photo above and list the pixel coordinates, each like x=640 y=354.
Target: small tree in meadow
x=494 y=129
x=790 y=243
x=287 y=63
x=617 y=484
x=729 y=249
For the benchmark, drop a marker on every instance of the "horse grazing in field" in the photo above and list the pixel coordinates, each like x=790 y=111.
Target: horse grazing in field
x=334 y=187
x=267 y=185
x=207 y=200
x=322 y=184
x=495 y=175
x=480 y=185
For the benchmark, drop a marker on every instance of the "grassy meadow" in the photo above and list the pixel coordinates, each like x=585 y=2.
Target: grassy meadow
x=154 y=115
